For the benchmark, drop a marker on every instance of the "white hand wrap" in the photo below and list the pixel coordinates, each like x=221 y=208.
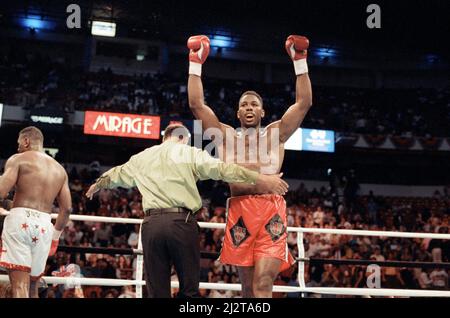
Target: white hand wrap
x=195 y=68
x=56 y=234
x=301 y=67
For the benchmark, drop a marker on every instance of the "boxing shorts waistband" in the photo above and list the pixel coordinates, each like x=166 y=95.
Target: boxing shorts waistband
x=268 y=196
x=30 y=213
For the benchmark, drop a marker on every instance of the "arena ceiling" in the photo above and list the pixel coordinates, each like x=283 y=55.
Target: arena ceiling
x=418 y=26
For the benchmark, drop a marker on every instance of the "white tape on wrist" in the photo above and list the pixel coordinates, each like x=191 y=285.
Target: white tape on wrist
x=301 y=67
x=56 y=235
x=195 y=68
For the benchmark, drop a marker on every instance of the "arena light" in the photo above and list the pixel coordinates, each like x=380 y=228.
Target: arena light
x=35 y=22
x=431 y=58
x=325 y=52
x=222 y=41
x=103 y=28
x=1 y=113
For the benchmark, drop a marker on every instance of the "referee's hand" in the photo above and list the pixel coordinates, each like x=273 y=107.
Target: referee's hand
x=272 y=184
x=92 y=190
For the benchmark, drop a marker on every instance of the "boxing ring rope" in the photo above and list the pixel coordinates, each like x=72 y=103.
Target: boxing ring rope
x=215 y=255
x=99 y=250
x=360 y=262
x=138 y=282
x=237 y=287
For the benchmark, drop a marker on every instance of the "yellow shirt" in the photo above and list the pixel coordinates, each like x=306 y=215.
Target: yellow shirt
x=166 y=175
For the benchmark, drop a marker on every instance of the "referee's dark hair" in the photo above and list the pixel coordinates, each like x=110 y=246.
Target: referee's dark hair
x=178 y=130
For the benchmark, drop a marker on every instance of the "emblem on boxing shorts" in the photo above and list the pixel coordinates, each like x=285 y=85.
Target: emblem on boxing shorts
x=275 y=227
x=239 y=232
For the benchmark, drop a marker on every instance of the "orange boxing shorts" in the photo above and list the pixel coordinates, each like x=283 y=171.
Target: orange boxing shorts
x=256 y=228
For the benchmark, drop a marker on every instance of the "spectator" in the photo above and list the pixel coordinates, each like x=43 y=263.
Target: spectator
x=377 y=254
x=439 y=279
x=391 y=277
x=102 y=236
x=393 y=213
x=133 y=238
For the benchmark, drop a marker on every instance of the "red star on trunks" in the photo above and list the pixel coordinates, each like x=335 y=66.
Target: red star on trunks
x=34 y=239
x=24 y=226
x=43 y=231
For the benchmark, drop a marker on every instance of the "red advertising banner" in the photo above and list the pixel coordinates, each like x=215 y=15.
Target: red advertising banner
x=121 y=125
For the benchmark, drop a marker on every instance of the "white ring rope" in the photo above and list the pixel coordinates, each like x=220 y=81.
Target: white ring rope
x=237 y=287
x=103 y=219
x=212 y=225
x=439 y=236
x=74 y=281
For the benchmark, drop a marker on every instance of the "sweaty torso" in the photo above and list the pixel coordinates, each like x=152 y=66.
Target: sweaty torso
x=262 y=152
x=39 y=181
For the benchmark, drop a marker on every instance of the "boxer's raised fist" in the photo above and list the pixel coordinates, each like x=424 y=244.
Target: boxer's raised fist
x=297 y=47
x=199 y=48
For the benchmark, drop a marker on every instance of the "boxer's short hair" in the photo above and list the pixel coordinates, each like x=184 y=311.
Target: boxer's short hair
x=33 y=133
x=176 y=130
x=251 y=93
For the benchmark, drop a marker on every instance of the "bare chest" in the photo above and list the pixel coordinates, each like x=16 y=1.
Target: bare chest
x=261 y=153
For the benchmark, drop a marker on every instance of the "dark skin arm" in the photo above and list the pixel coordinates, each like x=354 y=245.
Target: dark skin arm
x=9 y=178
x=65 y=205
x=296 y=113
x=204 y=113
x=198 y=107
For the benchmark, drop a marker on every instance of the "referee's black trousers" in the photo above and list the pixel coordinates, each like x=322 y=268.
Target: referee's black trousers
x=167 y=238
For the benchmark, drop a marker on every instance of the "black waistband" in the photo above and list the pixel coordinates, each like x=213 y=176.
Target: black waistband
x=167 y=210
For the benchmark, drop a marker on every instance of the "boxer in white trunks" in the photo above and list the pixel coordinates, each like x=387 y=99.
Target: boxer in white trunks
x=28 y=236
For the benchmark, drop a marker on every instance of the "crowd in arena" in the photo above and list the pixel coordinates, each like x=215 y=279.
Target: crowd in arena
x=331 y=207
x=36 y=81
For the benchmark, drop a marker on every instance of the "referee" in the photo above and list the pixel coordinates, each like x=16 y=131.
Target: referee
x=166 y=176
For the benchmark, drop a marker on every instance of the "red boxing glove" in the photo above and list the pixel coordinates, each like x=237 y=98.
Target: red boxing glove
x=55 y=242
x=199 y=51
x=297 y=48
